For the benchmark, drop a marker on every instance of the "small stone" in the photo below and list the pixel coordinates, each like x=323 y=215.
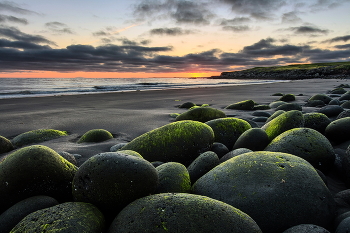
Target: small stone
x=202 y=164
x=242 y=105
x=201 y=114
x=287 y=97
x=173 y=178
x=96 y=135
x=254 y=139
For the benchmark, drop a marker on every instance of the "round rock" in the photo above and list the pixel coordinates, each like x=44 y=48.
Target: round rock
x=96 y=135
x=277 y=190
x=201 y=114
x=254 y=139
x=234 y=153
x=289 y=107
x=219 y=149
x=331 y=110
x=5 y=145
x=275 y=114
x=306 y=228
x=338 y=131
x=202 y=164
x=242 y=105
x=316 y=121
x=287 y=97
x=325 y=98
x=36 y=136
x=187 y=105
x=276 y=104
x=173 y=178
x=180 y=212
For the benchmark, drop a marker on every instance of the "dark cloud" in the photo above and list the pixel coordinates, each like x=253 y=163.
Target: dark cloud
x=338 y=39
x=58 y=28
x=101 y=33
x=235 y=21
x=171 y=31
x=12 y=19
x=10 y=6
x=21 y=45
x=326 y=4
x=345 y=46
x=291 y=18
x=237 y=28
x=308 y=30
x=14 y=33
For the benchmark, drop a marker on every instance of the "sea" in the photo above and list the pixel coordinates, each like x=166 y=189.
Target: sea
x=36 y=87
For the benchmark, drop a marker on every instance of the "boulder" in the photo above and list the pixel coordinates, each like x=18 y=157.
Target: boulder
x=202 y=164
x=242 y=105
x=227 y=130
x=345 y=96
x=343 y=226
x=261 y=114
x=338 y=131
x=325 y=98
x=276 y=104
x=69 y=157
x=5 y=145
x=278 y=190
x=12 y=216
x=289 y=107
x=275 y=114
x=338 y=90
x=187 y=105
x=180 y=141
x=201 y=114
x=334 y=102
x=234 y=153
x=35 y=170
x=260 y=119
x=254 y=139
x=36 y=136
x=287 y=97
x=285 y=121
x=306 y=228
x=173 y=178
x=95 y=135
x=345 y=104
x=112 y=180
x=331 y=110
x=65 y=217
x=261 y=107
x=118 y=146
x=219 y=149
x=316 y=121
x=182 y=212
x=315 y=103
x=305 y=143
x=345 y=113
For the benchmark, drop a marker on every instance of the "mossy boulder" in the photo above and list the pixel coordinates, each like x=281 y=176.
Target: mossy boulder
x=345 y=96
x=331 y=110
x=275 y=104
x=325 y=98
x=261 y=107
x=285 y=121
x=65 y=217
x=346 y=104
x=315 y=103
x=219 y=149
x=112 y=180
x=182 y=212
x=35 y=170
x=5 y=145
x=201 y=165
x=253 y=139
x=289 y=107
x=131 y=152
x=18 y=211
x=278 y=190
x=261 y=114
x=180 y=141
x=234 y=153
x=338 y=90
x=227 y=130
x=306 y=228
x=242 y=105
x=187 y=105
x=173 y=178
x=275 y=114
x=338 y=131
x=305 y=143
x=287 y=97
x=201 y=114
x=95 y=135
x=37 y=136
x=316 y=121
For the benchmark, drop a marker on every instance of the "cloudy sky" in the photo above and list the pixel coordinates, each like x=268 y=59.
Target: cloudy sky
x=167 y=38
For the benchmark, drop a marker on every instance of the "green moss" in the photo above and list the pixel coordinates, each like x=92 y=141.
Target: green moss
x=130 y=152
x=242 y=105
x=96 y=135
x=201 y=114
x=36 y=136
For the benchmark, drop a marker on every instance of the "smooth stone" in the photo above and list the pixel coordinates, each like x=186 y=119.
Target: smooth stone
x=260 y=119
x=37 y=136
x=345 y=96
x=201 y=114
x=219 y=149
x=117 y=147
x=254 y=139
x=276 y=104
x=202 y=164
x=5 y=145
x=173 y=178
x=187 y=105
x=275 y=114
x=346 y=104
x=334 y=102
x=227 y=130
x=338 y=131
x=338 y=90
x=306 y=228
x=289 y=107
x=261 y=113
x=287 y=98
x=65 y=217
x=35 y=170
x=234 y=153
x=345 y=113
x=112 y=180
x=316 y=121
x=69 y=157
x=325 y=98
x=242 y=105
x=315 y=103
x=263 y=185
x=305 y=143
x=181 y=141
x=344 y=226
x=283 y=122
x=261 y=107
x=182 y=212
x=95 y=135
x=331 y=110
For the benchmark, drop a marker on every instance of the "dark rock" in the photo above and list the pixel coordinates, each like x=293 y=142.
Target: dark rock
x=334 y=102
x=340 y=218
x=180 y=141
x=338 y=90
x=187 y=105
x=331 y=110
x=130 y=152
x=346 y=104
x=234 y=153
x=275 y=114
x=344 y=226
x=69 y=157
x=254 y=139
x=277 y=94
x=252 y=124
x=289 y=107
x=263 y=184
x=219 y=149
x=227 y=130
x=156 y=163
x=18 y=211
x=285 y=121
x=242 y=105
x=117 y=147
x=259 y=119
x=305 y=143
x=201 y=165
x=5 y=145
x=287 y=97
x=35 y=170
x=261 y=113
x=345 y=113
x=96 y=135
x=316 y=121
x=173 y=178
x=345 y=96
x=276 y=104
x=306 y=228
x=325 y=98
x=36 y=136
x=261 y=107
x=182 y=212
x=112 y=180
x=201 y=114
x=65 y=217
x=338 y=131
x=315 y=103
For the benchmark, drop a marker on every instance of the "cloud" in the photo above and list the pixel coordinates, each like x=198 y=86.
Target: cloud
x=308 y=30
x=235 y=24
x=12 y=19
x=291 y=18
x=176 y=31
x=238 y=28
x=10 y=6
x=21 y=45
x=338 y=39
x=345 y=46
x=58 y=28
x=14 y=33
x=320 y=5
x=101 y=33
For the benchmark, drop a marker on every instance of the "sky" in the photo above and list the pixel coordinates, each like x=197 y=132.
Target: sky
x=167 y=38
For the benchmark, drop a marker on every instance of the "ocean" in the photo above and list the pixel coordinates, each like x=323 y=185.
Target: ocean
x=35 y=87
